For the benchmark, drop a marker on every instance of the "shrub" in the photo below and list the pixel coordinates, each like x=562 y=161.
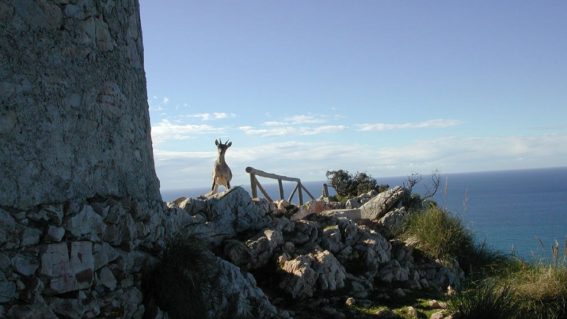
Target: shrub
x=347 y=185
x=438 y=233
x=181 y=280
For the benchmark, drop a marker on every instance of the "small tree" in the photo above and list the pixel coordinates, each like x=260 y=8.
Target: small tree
x=348 y=185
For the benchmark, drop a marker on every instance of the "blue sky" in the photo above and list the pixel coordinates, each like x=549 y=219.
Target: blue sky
x=385 y=87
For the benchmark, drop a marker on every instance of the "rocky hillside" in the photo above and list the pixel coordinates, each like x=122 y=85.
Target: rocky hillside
x=296 y=262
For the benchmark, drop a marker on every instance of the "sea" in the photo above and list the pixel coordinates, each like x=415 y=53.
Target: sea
x=520 y=212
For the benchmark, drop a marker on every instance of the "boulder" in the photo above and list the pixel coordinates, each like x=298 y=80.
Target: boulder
x=394 y=221
x=303 y=233
x=332 y=239
x=262 y=246
x=353 y=214
x=299 y=278
x=225 y=215
x=234 y=294
x=238 y=253
x=382 y=203
x=305 y=274
x=331 y=273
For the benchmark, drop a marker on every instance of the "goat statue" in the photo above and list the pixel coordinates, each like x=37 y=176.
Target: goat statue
x=221 y=172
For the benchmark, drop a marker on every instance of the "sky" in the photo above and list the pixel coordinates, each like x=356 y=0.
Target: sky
x=389 y=88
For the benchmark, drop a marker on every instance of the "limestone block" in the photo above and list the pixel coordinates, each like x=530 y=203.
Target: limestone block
x=332 y=239
x=103 y=255
x=394 y=221
x=7 y=289
x=68 y=308
x=37 y=310
x=69 y=270
x=262 y=246
x=331 y=273
x=304 y=232
x=106 y=278
x=9 y=231
x=382 y=203
x=54 y=233
x=48 y=213
x=25 y=265
x=30 y=236
x=305 y=274
x=5 y=262
x=86 y=224
x=233 y=291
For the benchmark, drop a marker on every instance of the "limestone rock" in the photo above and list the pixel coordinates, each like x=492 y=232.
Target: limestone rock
x=299 y=277
x=332 y=239
x=103 y=254
x=25 y=265
x=305 y=274
x=9 y=231
x=38 y=310
x=394 y=221
x=7 y=289
x=227 y=214
x=86 y=224
x=382 y=203
x=238 y=253
x=48 y=213
x=234 y=293
x=304 y=232
x=106 y=278
x=263 y=245
x=30 y=236
x=331 y=273
x=68 y=270
x=54 y=233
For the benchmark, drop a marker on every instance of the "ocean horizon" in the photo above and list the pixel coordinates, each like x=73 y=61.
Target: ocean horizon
x=517 y=211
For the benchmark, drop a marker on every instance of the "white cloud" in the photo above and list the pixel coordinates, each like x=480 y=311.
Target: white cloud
x=210 y=116
x=291 y=130
x=310 y=161
x=299 y=119
x=436 y=123
x=167 y=131
x=165 y=100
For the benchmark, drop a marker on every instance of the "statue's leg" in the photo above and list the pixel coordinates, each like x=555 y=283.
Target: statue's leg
x=227 y=184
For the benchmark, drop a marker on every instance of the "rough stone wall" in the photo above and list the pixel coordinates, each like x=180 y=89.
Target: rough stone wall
x=81 y=259
x=74 y=120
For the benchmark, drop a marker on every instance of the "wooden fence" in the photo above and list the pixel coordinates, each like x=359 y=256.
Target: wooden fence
x=255 y=185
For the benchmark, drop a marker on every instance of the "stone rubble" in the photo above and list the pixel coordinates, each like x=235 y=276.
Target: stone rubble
x=99 y=249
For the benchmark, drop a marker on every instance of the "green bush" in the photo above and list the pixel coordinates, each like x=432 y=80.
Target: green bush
x=438 y=234
x=181 y=280
x=347 y=185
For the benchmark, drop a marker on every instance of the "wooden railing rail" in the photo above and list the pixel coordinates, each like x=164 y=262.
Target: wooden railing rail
x=255 y=185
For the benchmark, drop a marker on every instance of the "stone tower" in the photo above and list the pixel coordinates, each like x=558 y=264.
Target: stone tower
x=74 y=117
x=80 y=208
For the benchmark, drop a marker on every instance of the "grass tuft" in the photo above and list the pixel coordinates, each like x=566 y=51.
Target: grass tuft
x=438 y=233
x=487 y=300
